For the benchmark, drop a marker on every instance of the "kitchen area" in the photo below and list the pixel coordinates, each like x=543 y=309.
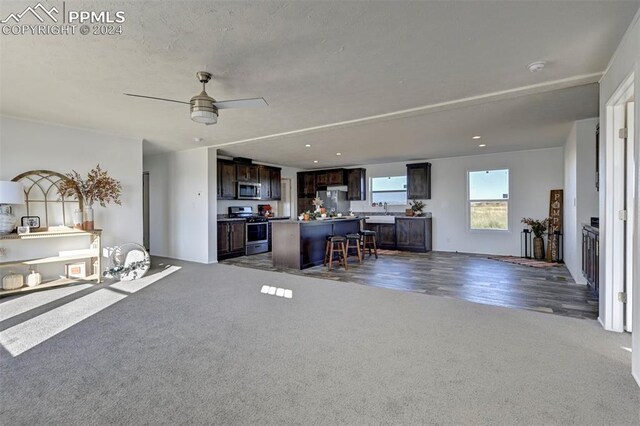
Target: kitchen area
x=250 y=225
x=249 y=199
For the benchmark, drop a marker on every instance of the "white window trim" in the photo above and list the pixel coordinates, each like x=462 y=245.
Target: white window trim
x=469 y=200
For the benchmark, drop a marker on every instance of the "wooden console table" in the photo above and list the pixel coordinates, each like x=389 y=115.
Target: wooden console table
x=93 y=252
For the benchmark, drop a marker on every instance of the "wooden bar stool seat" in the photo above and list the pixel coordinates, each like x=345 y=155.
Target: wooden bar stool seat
x=369 y=241
x=353 y=243
x=335 y=245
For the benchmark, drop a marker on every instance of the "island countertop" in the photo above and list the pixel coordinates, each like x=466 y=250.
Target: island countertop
x=300 y=244
x=323 y=221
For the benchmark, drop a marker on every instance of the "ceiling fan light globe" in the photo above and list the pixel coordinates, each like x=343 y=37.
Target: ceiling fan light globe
x=204 y=116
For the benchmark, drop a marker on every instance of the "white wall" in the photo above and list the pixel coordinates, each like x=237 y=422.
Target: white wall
x=625 y=62
x=532 y=175
x=27 y=145
x=179 y=204
x=580 y=195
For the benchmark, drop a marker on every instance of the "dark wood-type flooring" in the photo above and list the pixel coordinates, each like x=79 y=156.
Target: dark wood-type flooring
x=470 y=277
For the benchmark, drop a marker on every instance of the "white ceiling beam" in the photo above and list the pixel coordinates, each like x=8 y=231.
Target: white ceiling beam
x=533 y=89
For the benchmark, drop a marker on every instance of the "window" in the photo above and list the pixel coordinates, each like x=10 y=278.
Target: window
x=390 y=189
x=489 y=200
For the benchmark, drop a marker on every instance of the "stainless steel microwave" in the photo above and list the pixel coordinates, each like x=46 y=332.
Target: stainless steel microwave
x=248 y=191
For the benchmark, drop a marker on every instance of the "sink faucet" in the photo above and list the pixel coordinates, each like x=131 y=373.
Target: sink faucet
x=386 y=209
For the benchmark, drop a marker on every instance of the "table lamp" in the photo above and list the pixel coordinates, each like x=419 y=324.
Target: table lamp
x=10 y=193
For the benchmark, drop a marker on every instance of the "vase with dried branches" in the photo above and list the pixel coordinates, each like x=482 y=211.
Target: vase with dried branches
x=97 y=187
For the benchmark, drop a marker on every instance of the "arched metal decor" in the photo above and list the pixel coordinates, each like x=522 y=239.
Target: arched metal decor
x=43 y=198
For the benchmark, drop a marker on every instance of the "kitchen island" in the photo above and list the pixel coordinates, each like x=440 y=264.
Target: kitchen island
x=301 y=244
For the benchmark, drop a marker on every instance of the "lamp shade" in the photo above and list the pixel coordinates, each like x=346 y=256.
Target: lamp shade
x=11 y=192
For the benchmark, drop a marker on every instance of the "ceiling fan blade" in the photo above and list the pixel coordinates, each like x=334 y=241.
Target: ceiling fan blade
x=242 y=103
x=157 y=99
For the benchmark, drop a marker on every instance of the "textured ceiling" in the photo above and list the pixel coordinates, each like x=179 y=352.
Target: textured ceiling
x=319 y=63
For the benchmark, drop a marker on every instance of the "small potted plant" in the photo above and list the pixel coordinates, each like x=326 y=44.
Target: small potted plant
x=538 y=228
x=416 y=207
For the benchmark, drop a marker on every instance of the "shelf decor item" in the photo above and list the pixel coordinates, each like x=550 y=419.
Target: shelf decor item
x=12 y=281
x=318 y=203
x=76 y=270
x=11 y=193
x=97 y=187
x=77 y=219
x=32 y=222
x=538 y=227
x=34 y=278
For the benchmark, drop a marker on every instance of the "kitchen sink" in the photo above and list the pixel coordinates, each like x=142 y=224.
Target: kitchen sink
x=380 y=219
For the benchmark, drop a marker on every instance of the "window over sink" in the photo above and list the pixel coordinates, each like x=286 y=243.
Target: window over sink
x=488 y=200
x=389 y=189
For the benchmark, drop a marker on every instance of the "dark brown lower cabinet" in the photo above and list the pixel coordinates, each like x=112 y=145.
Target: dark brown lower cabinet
x=413 y=234
x=231 y=239
x=409 y=234
x=385 y=234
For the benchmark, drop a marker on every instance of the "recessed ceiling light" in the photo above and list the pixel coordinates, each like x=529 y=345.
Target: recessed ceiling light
x=197 y=139
x=315 y=161
x=308 y=145
x=482 y=145
x=338 y=153
x=536 y=66
x=476 y=137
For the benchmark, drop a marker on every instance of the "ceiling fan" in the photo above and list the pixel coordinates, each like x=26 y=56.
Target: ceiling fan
x=204 y=109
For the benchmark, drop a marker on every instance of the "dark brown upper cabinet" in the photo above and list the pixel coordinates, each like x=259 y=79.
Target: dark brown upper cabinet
x=226 y=180
x=356 y=184
x=265 y=182
x=335 y=177
x=419 y=181
x=276 y=182
x=306 y=184
x=247 y=173
x=321 y=178
x=230 y=173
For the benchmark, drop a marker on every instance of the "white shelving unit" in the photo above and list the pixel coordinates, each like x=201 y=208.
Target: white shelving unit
x=93 y=252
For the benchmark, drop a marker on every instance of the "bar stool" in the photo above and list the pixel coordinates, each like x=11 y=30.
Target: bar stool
x=353 y=242
x=335 y=244
x=369 y=241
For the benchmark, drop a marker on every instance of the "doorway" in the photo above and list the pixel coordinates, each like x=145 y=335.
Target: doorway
x=620 y=209
x=285 y=200
x=145 y=210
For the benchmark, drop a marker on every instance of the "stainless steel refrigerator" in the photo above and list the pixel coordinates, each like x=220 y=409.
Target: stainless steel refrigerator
x=335 y=201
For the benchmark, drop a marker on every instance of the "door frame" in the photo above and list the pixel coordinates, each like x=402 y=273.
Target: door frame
x=612 y=227
x=630 y=224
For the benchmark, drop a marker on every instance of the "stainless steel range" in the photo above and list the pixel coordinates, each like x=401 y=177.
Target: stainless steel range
x=256 y=229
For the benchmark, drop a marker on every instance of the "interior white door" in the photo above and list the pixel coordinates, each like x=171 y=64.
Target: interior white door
x=630 y=187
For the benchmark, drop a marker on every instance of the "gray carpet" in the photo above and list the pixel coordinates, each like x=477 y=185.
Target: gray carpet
x=204 y=346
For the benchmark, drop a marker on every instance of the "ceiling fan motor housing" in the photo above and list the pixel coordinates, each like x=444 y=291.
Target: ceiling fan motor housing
x=203 y=110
